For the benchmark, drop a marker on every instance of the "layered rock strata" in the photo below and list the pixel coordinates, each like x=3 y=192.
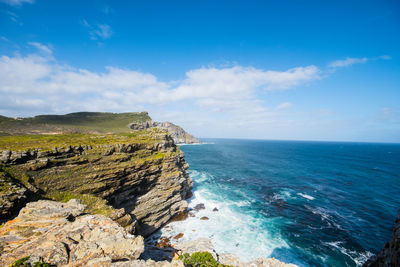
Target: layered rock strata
x=61 y=234
x=178 y=134
x=139 y=177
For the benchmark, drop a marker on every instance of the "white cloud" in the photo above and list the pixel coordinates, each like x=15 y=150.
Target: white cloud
x=347 y=62
x=240 y=82
x=100 y=31
x=16 y=2
x=38 y=84
x=209 y=101
x=42 y=48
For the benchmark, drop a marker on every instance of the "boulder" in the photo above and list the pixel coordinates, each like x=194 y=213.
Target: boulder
x=62 y=234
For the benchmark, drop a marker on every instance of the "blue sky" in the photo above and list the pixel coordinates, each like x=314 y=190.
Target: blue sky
x=303 y=70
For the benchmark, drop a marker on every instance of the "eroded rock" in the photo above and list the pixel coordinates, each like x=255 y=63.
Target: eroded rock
x=62 y=234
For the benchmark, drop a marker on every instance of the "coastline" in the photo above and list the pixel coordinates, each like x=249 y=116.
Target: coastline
x=193 y=230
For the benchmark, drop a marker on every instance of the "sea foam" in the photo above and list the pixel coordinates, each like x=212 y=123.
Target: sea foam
x=230 y=230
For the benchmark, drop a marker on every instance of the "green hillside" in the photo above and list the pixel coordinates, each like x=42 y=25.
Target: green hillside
x=79 y=122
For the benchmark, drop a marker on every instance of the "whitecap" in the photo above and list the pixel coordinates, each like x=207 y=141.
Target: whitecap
x=358 y=257
x=231 y=230
x=306 y=196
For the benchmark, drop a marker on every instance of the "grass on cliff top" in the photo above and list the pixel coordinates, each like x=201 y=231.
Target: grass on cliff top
x=94 y=205
x=49 y=142
x=9 y=174
x=80 y=122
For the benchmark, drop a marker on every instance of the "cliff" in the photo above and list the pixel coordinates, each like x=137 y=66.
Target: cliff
x=99 y=194
x=63 y=234
x=389 y=256
x=177 y=133
x=139 y=179
x=78 y=122
x=90 y=123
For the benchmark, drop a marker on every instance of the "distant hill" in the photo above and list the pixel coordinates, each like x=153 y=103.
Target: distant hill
x=79 y=122
x=91 y=123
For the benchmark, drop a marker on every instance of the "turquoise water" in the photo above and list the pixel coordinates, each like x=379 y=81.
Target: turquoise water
x=309 y=203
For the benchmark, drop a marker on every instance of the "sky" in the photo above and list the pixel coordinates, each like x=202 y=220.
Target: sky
x=286 y=70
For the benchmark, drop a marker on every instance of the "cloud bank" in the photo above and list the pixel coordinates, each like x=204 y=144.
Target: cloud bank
x=207 y=101
x=37 y=83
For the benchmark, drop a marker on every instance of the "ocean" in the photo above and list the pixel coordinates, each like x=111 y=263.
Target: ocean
x=307 y=203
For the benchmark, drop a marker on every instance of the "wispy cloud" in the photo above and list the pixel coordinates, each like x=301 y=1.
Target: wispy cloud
x=16 y=2
x=349 y=61
x=4 y=39
x=14 y=17
x=44 y=49
x=99 y=31
x=108 y=10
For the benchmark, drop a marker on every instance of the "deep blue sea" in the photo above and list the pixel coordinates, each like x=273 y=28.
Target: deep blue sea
x=308 y=203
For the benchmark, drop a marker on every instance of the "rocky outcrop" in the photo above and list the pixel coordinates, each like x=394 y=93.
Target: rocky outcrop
x=142 y=179
x=390 y=254
x=61 y=234
x=177 y=133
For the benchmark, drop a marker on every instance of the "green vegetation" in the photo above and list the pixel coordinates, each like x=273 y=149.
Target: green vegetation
x=10 y=174
x=20 y=262
x=80 y=122
x=94 y=205
x=200 y=259
x=49 y=142
x=8 y=177
x=23 y=263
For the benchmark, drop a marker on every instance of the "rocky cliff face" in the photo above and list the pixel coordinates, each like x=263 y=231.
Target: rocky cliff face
x=177 y=133
x=140 y=180
x=390 y=254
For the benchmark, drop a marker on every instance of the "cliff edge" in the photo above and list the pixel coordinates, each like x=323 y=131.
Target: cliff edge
x=389 y=256
x=90 y=123
x=140 y=179
x=177 y=133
